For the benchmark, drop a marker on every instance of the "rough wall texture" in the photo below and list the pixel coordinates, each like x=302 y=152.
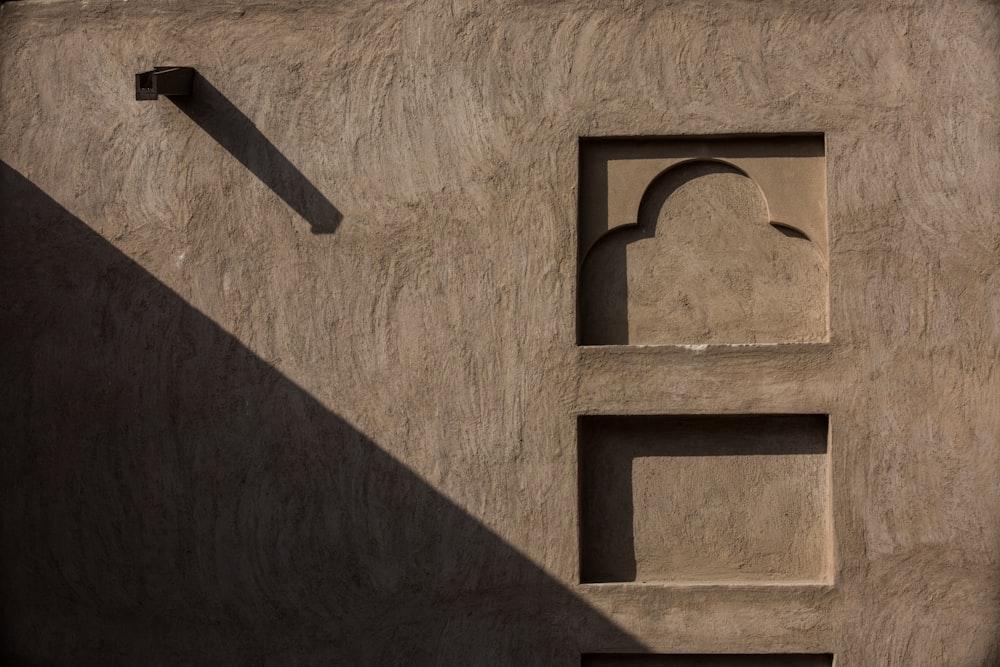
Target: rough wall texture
x=290 y=369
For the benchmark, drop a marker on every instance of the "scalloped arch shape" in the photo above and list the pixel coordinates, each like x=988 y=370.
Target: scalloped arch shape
x=682 y=166
x=676 y=169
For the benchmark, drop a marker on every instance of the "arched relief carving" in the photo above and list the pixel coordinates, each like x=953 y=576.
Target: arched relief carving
x=702 y=241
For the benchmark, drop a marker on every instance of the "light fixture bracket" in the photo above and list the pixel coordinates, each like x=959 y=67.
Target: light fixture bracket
x=164 y=81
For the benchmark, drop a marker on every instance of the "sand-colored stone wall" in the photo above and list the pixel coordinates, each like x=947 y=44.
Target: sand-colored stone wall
x=505 y=333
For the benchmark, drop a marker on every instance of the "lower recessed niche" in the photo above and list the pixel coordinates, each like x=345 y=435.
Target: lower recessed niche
x=708 y=660
x=704 y=498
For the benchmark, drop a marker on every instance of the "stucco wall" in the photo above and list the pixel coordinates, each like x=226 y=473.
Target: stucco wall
x=291 y=373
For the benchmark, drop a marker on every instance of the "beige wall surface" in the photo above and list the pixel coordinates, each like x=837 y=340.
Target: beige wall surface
x=292 y=373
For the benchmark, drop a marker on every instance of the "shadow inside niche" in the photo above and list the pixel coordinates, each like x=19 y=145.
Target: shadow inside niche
x=235 y=132
x=170 y=498
x=604 y=283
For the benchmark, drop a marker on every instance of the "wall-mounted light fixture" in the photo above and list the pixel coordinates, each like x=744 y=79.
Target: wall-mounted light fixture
x=163 y=81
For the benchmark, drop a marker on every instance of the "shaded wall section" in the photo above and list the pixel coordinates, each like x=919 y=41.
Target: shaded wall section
x=169 y=498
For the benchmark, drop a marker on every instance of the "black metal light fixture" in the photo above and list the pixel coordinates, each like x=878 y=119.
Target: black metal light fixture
x=163 y=81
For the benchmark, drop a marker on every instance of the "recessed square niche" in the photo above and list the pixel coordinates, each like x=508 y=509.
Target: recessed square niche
x=702 y=240
x=704 y=499
x=707 y=660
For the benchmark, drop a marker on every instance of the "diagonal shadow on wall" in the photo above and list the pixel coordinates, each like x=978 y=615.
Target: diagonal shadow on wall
x=169 y=498
x=235 y=132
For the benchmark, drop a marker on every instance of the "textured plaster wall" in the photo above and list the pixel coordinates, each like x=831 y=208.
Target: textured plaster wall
x=291 y=374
